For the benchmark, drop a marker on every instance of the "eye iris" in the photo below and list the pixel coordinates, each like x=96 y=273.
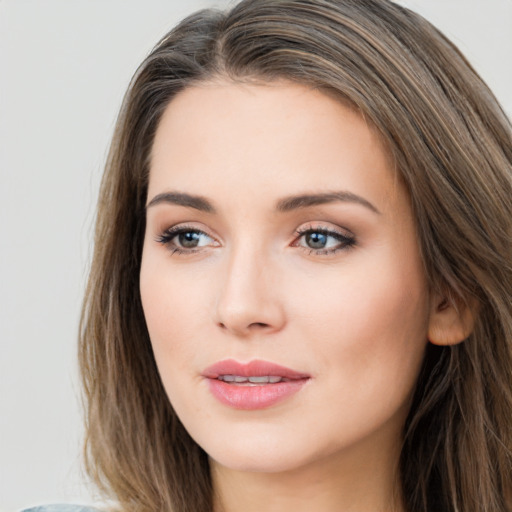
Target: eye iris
x=316 y=240
x=189 y=239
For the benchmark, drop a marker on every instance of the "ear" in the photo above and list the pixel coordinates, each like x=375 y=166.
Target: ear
x=450 y=322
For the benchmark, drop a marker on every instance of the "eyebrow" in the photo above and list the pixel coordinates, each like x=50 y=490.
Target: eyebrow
x=304 y=201
x=283 y=205
x=182 y=199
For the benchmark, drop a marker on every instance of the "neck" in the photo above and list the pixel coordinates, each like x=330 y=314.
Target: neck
x=340 y=483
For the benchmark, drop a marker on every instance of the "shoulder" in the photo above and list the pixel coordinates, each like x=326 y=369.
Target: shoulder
x=61 y=508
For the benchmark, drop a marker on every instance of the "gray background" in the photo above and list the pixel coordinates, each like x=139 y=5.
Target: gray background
x=64 y=66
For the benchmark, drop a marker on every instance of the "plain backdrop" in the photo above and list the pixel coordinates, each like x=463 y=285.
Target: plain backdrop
x=64 y=66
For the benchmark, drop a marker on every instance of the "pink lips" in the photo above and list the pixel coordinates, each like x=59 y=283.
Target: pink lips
x=245 y=386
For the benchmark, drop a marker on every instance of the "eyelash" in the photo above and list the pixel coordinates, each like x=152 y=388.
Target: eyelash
x=346 y=241
x=168 y=236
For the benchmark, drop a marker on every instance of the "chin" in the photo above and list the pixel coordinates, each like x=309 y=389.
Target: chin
x=268 y=452
x=264 y=453
x=252 y=462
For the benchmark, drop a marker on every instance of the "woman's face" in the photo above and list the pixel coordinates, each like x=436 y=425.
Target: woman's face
x=281 y=278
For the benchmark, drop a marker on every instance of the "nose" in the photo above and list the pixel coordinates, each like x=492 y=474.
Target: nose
x=249 y=300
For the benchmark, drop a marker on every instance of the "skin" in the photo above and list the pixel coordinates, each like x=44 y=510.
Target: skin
x=356 y=319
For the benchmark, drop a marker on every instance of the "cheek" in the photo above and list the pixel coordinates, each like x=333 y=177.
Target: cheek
x=172 y=305
x=380 y=293
x=369 y=320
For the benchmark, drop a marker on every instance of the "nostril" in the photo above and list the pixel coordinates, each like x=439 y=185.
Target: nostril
x=258 y=324
x=254 y=325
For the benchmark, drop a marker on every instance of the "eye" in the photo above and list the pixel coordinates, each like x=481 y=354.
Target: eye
x=323 y=240
x=183 y=239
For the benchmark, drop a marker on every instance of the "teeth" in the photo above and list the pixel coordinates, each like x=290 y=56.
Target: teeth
x=259 y=380
x=265 y=379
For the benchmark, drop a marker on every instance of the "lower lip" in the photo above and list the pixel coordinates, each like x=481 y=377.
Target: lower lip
x=253 y=397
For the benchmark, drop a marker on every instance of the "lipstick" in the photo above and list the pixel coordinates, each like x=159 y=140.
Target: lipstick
x=254 y=385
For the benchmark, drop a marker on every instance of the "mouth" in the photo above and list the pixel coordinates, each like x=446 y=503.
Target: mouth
x=254 y=385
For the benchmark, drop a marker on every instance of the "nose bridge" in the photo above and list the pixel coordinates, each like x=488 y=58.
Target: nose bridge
x=247 y=299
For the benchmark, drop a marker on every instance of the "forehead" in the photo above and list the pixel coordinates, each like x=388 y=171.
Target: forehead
x=280 y=138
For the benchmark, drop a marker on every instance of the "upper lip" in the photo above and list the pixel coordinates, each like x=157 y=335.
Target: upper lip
x=254 y=368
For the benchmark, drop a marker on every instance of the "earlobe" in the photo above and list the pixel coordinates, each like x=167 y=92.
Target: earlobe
x=450 y=323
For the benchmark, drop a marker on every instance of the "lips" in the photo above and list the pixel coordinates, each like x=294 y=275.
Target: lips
x=255 y=385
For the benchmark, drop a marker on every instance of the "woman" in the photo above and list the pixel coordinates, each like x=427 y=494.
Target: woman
x=300 y=293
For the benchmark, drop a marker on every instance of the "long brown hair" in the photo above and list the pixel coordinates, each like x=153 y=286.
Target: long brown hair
x=452 y=145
